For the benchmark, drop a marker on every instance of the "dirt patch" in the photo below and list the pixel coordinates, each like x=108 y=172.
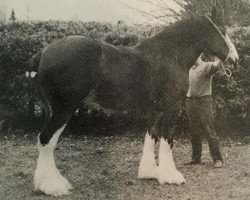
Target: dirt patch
x=106 y=168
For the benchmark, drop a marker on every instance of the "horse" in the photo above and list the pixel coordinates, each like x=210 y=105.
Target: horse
x=149 y=78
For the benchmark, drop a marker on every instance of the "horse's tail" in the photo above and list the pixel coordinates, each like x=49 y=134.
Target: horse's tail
x=31 y=72
x=46 y=105
x=34 y=64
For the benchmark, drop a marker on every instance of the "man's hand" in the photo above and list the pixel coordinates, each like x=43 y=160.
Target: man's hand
x=222 y=70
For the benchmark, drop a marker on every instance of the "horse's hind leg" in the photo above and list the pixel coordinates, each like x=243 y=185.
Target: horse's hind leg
x=47 y=177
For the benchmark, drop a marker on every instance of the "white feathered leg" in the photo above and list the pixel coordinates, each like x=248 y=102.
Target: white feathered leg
x=166 y=171
x=47 y=177
x=147 y=168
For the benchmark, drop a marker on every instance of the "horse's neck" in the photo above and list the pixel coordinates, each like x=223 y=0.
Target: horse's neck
x=174 y=51
x=169 y=61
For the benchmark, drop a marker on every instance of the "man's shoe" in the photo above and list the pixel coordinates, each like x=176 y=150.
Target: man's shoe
x=218 y=164
x=193 y=162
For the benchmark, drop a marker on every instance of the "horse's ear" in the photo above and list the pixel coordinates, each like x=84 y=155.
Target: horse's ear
x=216 y=16
x=213 y=14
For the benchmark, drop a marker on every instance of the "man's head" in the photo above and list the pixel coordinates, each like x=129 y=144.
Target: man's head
x=204 y=58
x=199 y=60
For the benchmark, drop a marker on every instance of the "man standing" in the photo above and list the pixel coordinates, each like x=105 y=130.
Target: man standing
x=200 y=110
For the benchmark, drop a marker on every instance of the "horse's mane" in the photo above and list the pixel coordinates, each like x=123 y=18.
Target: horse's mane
x=186 y=29
x=181 y=34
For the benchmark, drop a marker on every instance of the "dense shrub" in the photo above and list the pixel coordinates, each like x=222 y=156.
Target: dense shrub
x=19 y=41
x=233 y=94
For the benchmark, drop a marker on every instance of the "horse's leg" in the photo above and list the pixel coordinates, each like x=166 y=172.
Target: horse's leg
x=47 y=177
x=147 y=168
x=166 y=171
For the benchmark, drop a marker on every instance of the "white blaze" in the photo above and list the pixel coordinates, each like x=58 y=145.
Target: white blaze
x=233 y=54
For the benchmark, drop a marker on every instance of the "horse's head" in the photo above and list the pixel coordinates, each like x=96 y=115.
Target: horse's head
x=219 y=44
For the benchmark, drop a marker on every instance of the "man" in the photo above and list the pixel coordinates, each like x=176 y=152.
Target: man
x=200 y=110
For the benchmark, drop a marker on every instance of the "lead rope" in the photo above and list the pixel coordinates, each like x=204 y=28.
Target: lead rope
x=228 y=72
x=227 y=55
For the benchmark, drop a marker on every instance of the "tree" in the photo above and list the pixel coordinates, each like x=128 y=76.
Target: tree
x=12 y=15
x=233 y=12
x=232 y=95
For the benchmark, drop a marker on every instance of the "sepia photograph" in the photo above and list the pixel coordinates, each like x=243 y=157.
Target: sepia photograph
x=125 y=99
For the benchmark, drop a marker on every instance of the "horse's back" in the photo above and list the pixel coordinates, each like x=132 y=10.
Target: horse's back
x=69 y=51
x=73 y=66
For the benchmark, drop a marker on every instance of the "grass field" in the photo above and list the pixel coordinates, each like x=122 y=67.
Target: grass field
x=105 y=167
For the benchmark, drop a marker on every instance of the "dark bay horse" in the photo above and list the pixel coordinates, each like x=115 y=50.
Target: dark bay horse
x=150 y=78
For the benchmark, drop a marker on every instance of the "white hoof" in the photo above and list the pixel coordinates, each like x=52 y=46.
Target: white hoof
x=171 y=177
x=52 y=183
x=146 y=170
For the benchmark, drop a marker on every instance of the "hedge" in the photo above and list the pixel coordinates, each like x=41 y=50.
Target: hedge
x=20 y=41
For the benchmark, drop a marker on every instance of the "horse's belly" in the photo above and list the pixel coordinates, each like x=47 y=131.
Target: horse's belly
x=120 y=98
x=123 y=73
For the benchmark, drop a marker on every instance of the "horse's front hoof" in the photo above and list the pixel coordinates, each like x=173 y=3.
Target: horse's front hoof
x=171 y=177
x=147 y=172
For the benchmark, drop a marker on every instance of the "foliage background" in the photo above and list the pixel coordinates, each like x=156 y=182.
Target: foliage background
x=20 y=41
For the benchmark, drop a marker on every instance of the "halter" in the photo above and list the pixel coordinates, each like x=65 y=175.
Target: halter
x=228 y=55
x=227 y=72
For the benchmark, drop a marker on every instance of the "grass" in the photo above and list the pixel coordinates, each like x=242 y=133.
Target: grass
x=105 y=167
